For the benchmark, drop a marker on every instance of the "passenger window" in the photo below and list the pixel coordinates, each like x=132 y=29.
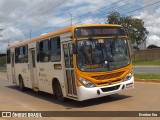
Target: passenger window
x=66 y=57
x=23 y=54
x=8 y=56
x=37 y=46
x=44 y=51
x=17 y=52
x=71 y=54
x=26 y=54
x=55 y=49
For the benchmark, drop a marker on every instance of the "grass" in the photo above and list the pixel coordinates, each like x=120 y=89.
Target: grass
x=147 y=76
x=146 y=63
x=3 y=71
x=2 y=61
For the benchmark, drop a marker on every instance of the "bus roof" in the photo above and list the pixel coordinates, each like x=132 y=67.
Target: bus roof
x=87 y=25
x=55 y=33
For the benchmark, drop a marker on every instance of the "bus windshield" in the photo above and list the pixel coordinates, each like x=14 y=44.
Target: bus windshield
x=102 y=54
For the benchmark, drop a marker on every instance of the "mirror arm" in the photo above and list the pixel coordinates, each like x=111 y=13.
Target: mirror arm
x=75 y=47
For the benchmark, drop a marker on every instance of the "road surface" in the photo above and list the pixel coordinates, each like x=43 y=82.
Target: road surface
x=145 y=97
x=146 y=69
x=2 y=68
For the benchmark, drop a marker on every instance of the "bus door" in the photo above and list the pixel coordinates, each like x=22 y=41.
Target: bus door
x=69 y=69
x=13 y=68
x=32 y=66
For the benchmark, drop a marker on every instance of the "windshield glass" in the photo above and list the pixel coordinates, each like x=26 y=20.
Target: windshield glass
x=102 y=54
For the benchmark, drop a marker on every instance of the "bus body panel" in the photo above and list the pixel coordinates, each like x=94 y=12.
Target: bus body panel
x=10 y=67
x=9 y=72
x=23 y=71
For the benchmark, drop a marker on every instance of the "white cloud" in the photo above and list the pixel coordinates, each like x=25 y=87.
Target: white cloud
x=151 y=20
x=12 y=34
x=92 y=20
x=153 y=29
x=12 y=30
x=20 y=16
x=153 y=40
x=17 y=17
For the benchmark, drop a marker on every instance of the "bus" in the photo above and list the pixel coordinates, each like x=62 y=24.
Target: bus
x=79 y=62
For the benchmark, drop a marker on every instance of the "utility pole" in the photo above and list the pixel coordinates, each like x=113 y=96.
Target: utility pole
x=8 y=42
x=1 y=31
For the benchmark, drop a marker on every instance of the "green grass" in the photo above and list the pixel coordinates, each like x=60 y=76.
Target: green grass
x=2 y=61
x=147 y=76
x=146 y=62
x=3 y=71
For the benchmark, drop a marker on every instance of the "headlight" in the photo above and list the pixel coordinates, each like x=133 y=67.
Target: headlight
x=129 y=76
x=86 y=83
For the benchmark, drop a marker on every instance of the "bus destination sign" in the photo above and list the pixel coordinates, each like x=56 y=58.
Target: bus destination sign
x=98 y=31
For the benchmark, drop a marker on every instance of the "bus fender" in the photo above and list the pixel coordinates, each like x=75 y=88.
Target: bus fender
x=54 y=81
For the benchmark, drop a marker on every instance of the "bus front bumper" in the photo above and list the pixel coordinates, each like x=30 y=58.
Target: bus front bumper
x=95 y=92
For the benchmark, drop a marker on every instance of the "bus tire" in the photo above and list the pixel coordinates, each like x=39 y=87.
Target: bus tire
x=21 y=84
x=58 y=92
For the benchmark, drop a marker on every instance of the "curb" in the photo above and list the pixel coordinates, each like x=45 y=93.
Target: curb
x=147 y=81
x=146 y=66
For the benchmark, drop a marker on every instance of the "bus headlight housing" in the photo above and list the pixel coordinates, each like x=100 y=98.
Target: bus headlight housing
x=86 y=83
x=128 y=76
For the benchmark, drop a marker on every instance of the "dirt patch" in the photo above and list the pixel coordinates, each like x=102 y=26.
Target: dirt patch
x=3 y=75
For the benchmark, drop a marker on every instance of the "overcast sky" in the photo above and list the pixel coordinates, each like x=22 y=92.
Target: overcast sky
x=19 y=17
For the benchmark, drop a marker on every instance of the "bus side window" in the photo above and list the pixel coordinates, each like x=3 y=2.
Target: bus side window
x=8 y=56
x=21 y=55
x=26 y=54
x=17 y=52
x=38 y=56
x=44 y=51
x=55 y=49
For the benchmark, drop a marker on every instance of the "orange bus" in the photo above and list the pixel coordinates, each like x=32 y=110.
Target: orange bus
x=78 y=62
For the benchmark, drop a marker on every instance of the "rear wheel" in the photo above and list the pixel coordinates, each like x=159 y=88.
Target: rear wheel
x=21 y=84
x=58 y=92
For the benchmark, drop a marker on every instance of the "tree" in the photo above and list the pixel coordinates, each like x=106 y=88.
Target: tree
x=114 y=18
x=134 y=27
x=152 y=46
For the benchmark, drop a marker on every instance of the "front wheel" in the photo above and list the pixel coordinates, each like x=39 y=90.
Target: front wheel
x=58 y=92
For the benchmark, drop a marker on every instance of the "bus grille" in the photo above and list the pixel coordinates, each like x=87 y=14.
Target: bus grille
x=108 y=89
x=108 y=76
x=113 y=82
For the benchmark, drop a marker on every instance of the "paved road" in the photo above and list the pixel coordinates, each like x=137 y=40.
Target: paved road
x=146 y=69
x=145 y=97
x=2 y=68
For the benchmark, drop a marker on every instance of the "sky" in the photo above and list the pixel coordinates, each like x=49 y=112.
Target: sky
x=19 y=18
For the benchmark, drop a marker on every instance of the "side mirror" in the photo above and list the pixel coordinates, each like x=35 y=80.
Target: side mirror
x=74 y=48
